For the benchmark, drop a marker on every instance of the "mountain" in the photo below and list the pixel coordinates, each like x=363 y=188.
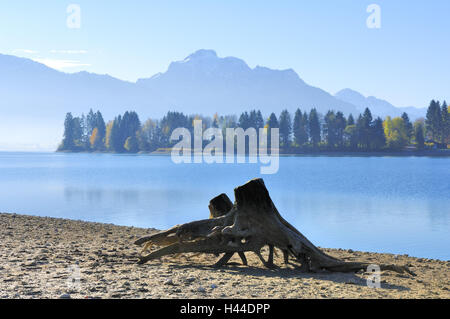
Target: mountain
x=377 y=106
x=34 y=98
x=205 y=83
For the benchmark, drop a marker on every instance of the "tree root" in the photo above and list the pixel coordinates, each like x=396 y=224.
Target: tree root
x=248 y=225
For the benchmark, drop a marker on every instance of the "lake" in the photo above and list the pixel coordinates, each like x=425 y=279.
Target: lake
x=398 y=205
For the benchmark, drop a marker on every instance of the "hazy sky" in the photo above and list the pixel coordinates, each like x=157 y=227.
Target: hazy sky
x=406 y=61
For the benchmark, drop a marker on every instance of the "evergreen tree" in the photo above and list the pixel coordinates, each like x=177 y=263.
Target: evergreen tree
x=330 y=129
x=445 y=123
x=378 y=139
x=419 y=134
x=305 y=127
x=91 y=122
x=171 y=121
x=272 y=122
x=341 y=124
x=252 y=119
x=297 y=128
x=77 y=133
x=314 y=127
x=100 y=125
x=215 y=122
x=285 y=128
x=115 y=143
x=351 y=120
x=364 y=128
x=244 y=121
x=259 y=121
x=408 y=126
x=434 y=121
x=351 y=136
x=68 y=143
x=85 y=137
x=149 y=137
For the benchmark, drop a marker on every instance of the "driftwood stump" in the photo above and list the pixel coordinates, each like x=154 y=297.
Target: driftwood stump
x=249 y=224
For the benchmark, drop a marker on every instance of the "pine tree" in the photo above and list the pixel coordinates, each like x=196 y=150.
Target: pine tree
x=408 y=126
x=329 y=129
x=285 y=128
x=244 y=121
x=91 y=122
x=272 y=122
x=259 y=121
x=419 y=135
x=78 y=133
x=85 y=137
x=314 y=127
x=297 y=127
x=305 y=128
x=341 y=124
x=433 y=121
x=68 y=143
x=378 y=139
x=445 y=113
x=364 y=127
x=215 y=122
x=351 y=120
x=351 y=136
x=100 y=125
x=115 y=143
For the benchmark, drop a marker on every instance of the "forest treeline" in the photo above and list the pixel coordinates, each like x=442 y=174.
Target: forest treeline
x=302 y=131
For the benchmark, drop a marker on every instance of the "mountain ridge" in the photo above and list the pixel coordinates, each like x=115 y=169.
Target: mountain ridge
x=374 y=103
x=34 y=95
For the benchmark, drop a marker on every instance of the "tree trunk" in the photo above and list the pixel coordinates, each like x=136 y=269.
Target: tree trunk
x=248 y=225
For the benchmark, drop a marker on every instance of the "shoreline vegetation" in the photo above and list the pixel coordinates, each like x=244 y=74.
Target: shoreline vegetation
x=40 y=255
x=307 y=133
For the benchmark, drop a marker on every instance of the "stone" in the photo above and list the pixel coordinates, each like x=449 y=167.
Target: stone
x=201 y=289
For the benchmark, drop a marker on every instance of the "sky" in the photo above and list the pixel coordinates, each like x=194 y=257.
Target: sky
x=327 y=42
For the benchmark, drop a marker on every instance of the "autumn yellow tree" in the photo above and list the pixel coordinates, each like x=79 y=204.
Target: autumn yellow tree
x=96 y=141
x=108 y=135
x=395 y=132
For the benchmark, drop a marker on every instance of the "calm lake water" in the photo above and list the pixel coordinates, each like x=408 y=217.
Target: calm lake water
x=387 y=204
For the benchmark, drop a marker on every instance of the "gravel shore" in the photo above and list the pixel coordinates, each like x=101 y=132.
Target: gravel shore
x=44 y=257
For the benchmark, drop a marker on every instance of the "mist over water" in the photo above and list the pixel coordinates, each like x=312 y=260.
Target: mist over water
x=384 y=204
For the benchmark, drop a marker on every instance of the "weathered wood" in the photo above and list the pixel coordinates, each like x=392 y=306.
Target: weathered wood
x=249 y=224
x=220 y=206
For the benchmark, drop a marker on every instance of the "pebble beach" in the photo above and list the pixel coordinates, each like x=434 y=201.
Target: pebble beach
x=42 y=257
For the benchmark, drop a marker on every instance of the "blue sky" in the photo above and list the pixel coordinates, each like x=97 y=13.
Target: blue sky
x=327 y=43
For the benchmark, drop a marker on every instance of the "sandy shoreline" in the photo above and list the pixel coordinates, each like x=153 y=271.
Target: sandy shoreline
x=39 y=255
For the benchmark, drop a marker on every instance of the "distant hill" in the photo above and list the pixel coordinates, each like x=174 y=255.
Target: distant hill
x=377 y=106
x=34 y=95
